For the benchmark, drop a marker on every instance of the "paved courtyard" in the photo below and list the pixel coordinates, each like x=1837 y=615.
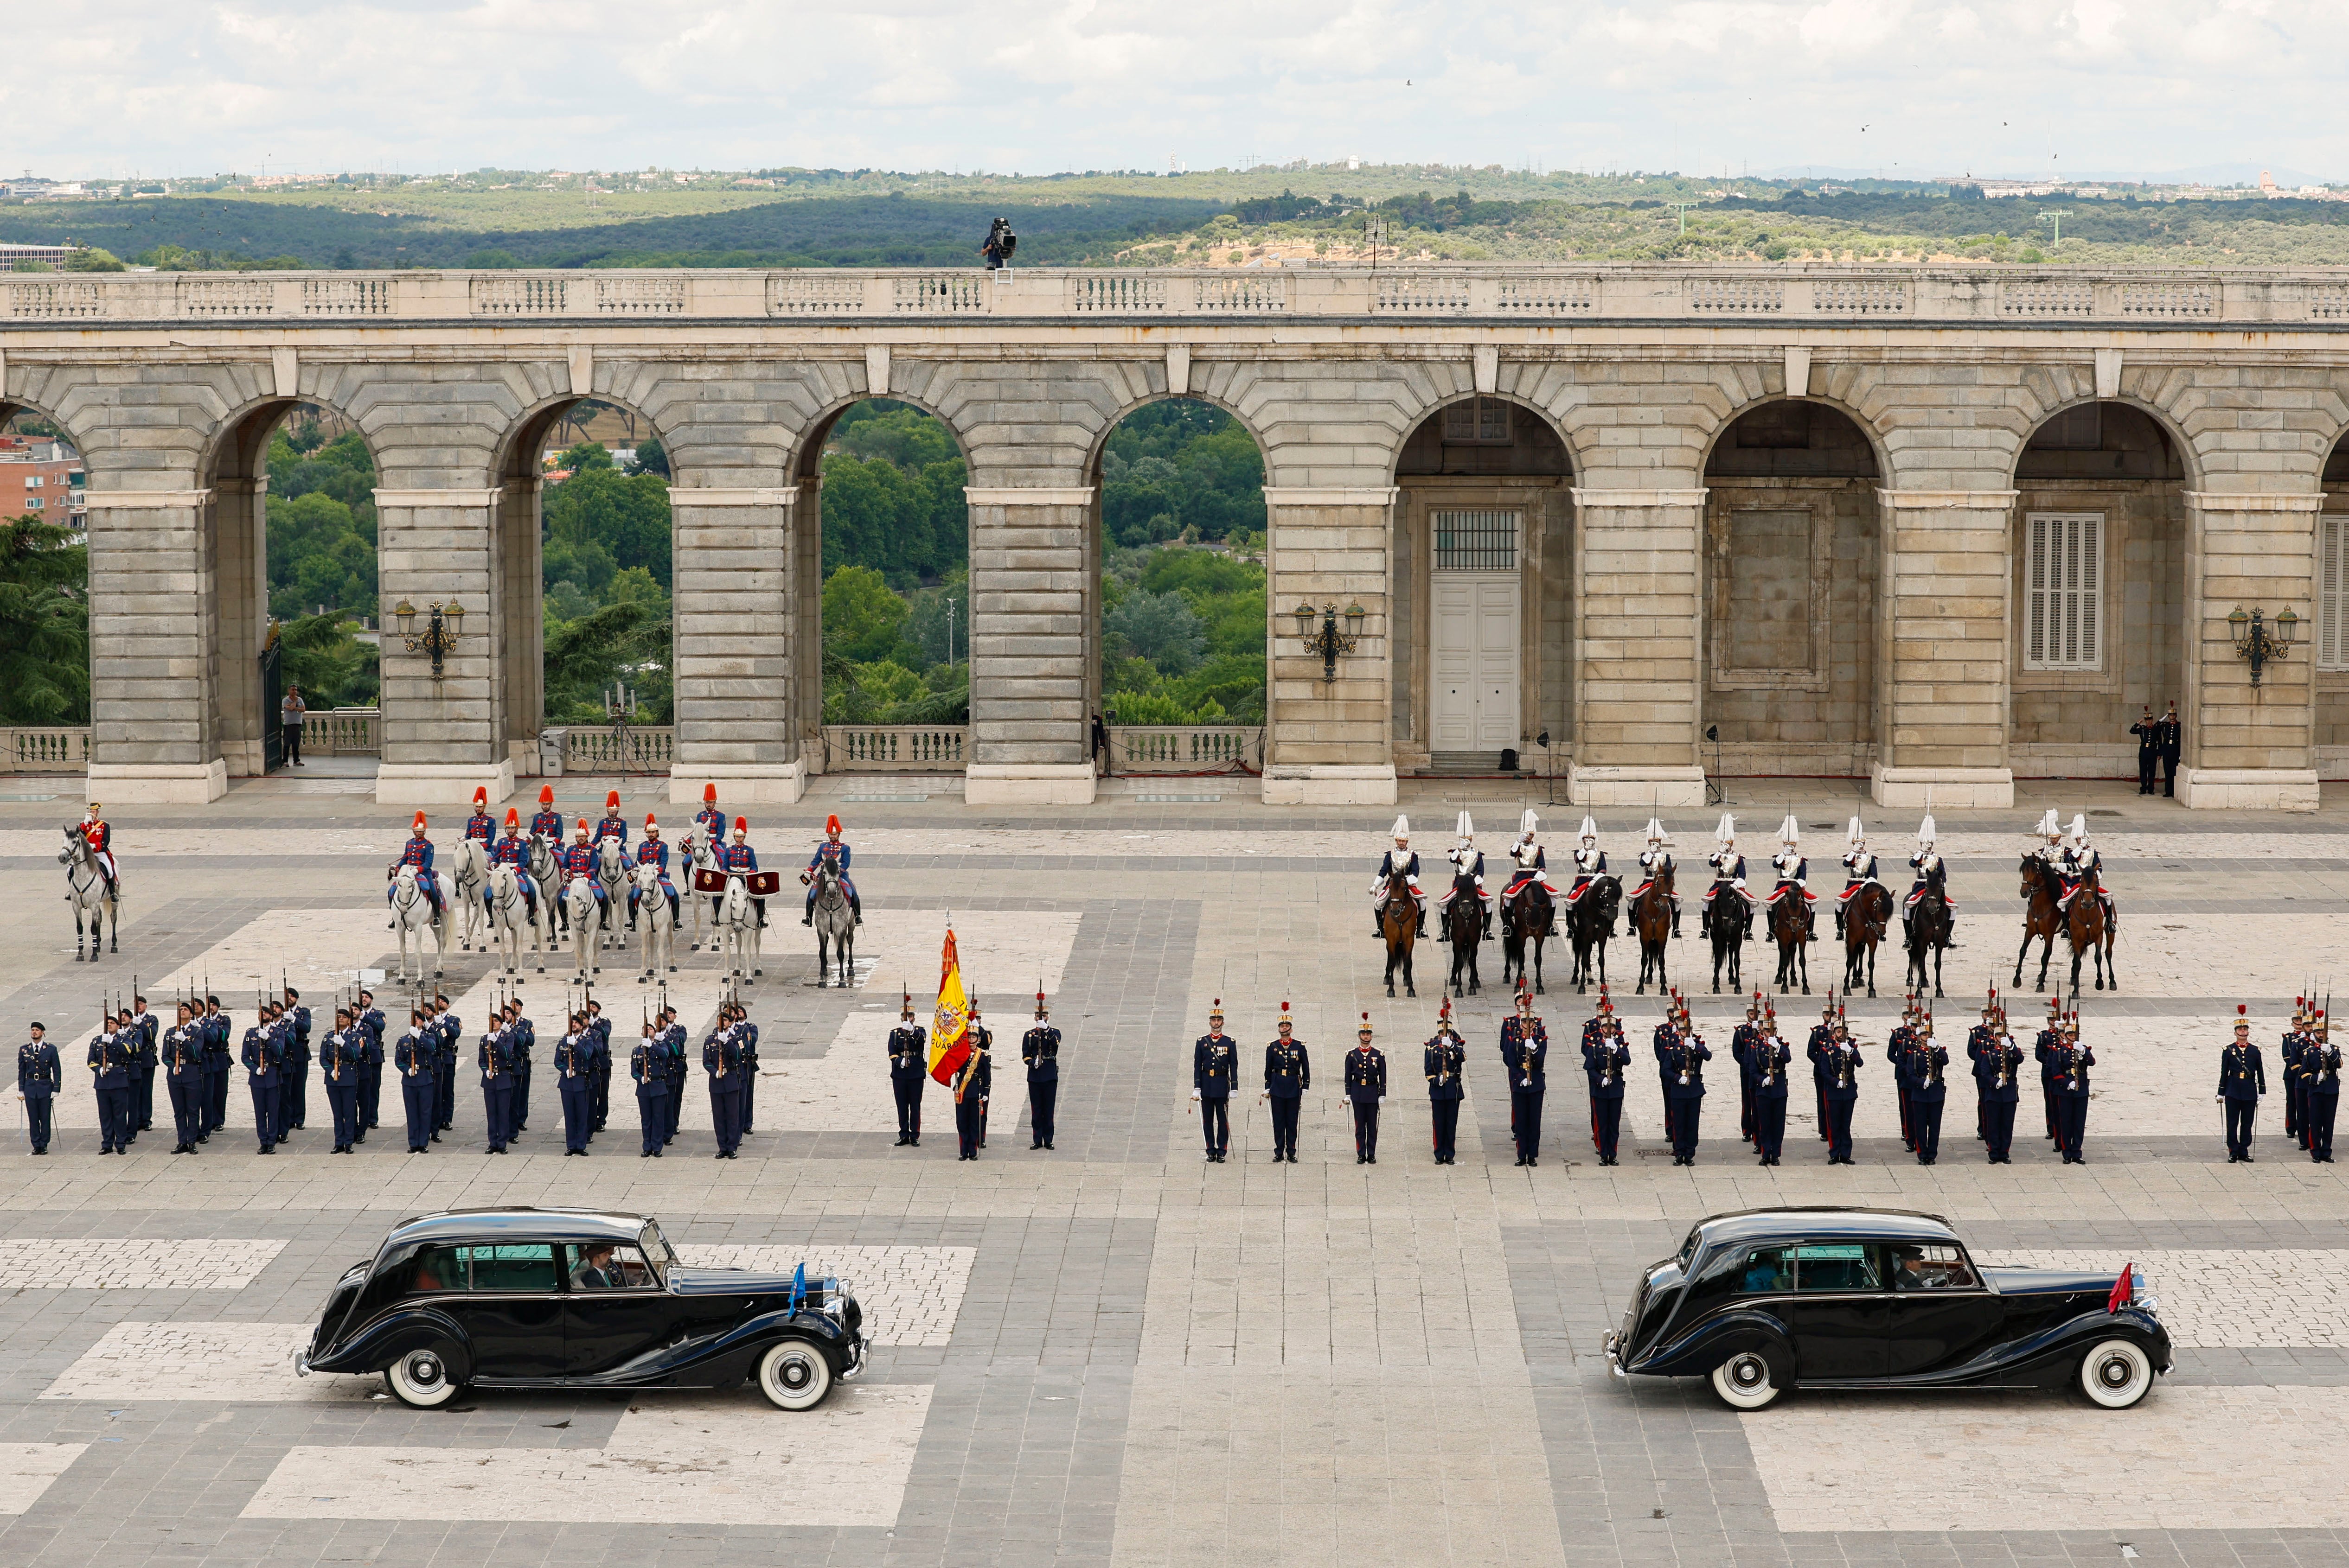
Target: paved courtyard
x=1114 y=1353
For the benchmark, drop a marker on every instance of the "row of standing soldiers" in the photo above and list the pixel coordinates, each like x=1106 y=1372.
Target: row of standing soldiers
x=2312 y=1083
x=972 y=1081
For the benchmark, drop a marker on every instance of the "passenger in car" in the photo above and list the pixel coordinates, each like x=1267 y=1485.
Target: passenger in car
x=597 y=1273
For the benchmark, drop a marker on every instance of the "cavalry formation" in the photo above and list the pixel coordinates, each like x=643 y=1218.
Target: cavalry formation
x=2063 y=891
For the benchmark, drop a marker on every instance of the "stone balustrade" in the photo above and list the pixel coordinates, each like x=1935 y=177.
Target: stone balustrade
x=648 y=749
x=47 y=748
x=342 y=732
x=895 y=747
x=1185 y=748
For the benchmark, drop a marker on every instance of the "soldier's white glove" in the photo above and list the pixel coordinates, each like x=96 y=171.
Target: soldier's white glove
x=1194 y=1096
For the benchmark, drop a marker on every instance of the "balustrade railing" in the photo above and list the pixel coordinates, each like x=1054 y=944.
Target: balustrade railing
x=1186 y=747
x=895 y=747
x=47 y=748
x=649 y=748
x=342 y=732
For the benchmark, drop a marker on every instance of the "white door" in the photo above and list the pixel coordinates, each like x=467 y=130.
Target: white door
x=1476 y=643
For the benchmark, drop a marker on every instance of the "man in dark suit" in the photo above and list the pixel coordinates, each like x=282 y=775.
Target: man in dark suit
x=2173 y=744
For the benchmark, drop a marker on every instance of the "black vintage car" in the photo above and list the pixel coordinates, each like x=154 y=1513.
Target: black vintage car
x=566 y=1298
x=1877 y=1298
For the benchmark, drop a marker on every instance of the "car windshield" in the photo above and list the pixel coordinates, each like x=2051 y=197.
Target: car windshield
x=657 y=1251
x=1931 y=1267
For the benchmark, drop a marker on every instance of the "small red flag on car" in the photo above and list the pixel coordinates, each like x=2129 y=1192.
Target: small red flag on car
x=2124 y=1289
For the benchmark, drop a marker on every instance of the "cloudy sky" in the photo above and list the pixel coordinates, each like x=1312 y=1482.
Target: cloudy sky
x=2007 y=86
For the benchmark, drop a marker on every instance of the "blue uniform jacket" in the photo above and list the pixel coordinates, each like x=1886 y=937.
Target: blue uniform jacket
x=2242 y=1073
x=37 y=1069
x=1366 y=1075
x=1288 y=1069
x=1525 y=1051
x=1442 y=1060
x=1215 y=1066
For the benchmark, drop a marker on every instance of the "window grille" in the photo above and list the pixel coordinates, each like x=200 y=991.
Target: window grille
x=1478 y=541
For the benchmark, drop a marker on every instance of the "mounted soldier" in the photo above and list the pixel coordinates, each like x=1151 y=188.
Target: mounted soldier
x=513 y=850
x=611 y=825
x=1401 y=860
x=2077 y=861
x=710 y=820
x=1794 y=869
x=416 y=852
x=1468 y=872
x=1728 y=871
x=2051 y=849
x=1858 y=870
x=480 y=826
x=99 y=834
x=834 y=853
x=548 y=823
x=652 y=851
x=1655 y=860
x=1589 y=862
x=1925 y=863
x=739 y=856
x=577 y=862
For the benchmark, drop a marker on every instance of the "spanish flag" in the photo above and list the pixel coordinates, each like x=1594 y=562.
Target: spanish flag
x=950 y=1029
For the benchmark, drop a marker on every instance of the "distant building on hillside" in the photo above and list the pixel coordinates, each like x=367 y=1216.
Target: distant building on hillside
x=42 y=479
x=20 y=258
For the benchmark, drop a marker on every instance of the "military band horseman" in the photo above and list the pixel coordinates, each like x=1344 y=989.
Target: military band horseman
x=739 y=856
x=1858 y=870
x=2074 y=861
x=1794 y=869
x=513 y=850
x=1655 y=860
x=611 y=825
x=548 y=822
x=1533 y=863
x=1924 y=863
x=1467 y=865
x=417 y=853
x=576 y=862
x=480 y=826
x=99 y=834
x=654 y=852
x=710 y=820
x=835 y=853
x=1728 y=871
x=1402 y=859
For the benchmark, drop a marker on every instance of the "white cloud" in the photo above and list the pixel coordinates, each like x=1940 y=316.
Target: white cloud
x=1987 y=84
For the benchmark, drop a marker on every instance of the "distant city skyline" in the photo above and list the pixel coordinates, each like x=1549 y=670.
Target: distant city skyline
x=2006 y=88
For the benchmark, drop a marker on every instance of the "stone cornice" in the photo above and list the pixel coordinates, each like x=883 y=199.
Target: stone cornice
x=1637 y=497
x=144 y=500
x=455 y=498
x=1026 y=495
x=681 y=495
x=2214 y=500
x=1947 y=500
x=1308 y=495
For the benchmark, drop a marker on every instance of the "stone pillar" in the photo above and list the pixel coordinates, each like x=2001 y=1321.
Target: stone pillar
x=734 y=578
x=154 y=722
x=1638 y=649
x=240 y=572
x=1944 y=649
x=442 y=740
x=1030 y=734
x=1330 y=742
x=806 y=613
x=2249 y=748
x=522 y=594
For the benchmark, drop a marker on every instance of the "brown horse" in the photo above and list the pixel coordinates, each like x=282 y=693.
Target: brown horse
x=2091 y=933
x=1931 y=927
x=1865 y=919
x=1527 y=919
x=1651 y=917
x=1463 y=927
x=2041 y=918
x=1399 y=924
x=1790 y=929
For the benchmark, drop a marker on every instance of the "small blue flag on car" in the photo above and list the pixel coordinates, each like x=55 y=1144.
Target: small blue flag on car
x=798 y=1286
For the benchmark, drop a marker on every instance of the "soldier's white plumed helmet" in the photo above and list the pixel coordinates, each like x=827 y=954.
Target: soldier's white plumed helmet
x=1527 y=822
x=1403 y=827
x=2047 y=826
x=1854 y=835
x=1467 y=829
x=1925 y=830
x=1727 y=831
x=1790 y=832
x=1656 y=834
x=1590 y=828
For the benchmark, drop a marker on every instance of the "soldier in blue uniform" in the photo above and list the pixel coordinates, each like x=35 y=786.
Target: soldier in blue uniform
x=109 y=1066
x=2043 y=1050
x=452 y=1033
x=1405 y=859
x=370 y=1019
x=1794 y=869
x=1841 y=1060
x=1443 y=1060
x=1366 y=1090
x=971 y=1083
x=652 y=852
x=1605 y=1057
x=2242 y=1078
x=220 y=1064
x=415 y=1062
x=2288 y=1068
x=1667 y=1040
x=1215 y=1072
x=1979 y=1039
x=2002 y=1092
x=338 y=1070
x=611 y=824
x=513 y=850
x=680 y=1069
x=1899 y=1046
x=1686 y=1091
x=494 y=1055
x=836 y=853
x=1929 y=1090
x=1766 y=1061
x=711 y=824
x=521 y=1034
x=1741 y=1040
x=294 y=1076
x=648 y=1066
x=261 y=1054
x=572 y=1060
x=37 y=1078
x=1525 y=1055
x=575 y=862
x=720 y=1059
x=547 y=822
x=599 y=1067
x=909 y=1069
x=143 y=1062
x=480 y=826
x=739 y=856
x=2323 y=1063
x=417 y=853
x=1467 y=879
x=2073 y=1061
x=1288 y=1074
x=1040 y=1048
x=1814 y=1050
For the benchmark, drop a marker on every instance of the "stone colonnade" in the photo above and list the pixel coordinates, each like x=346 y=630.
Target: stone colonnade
x=449 y=405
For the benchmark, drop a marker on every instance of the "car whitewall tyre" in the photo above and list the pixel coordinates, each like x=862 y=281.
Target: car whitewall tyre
x=2116 y=1374
x=1743 y=1381
x=794 y=1374
x=420 y=1379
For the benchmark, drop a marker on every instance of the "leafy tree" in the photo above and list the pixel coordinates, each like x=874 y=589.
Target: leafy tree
x=324 y=655
x=322 y=522
x=861 y=612
x=96 y=261
x=1162 y=628
x=601 y=520
x=651 y=457
x=43 y=625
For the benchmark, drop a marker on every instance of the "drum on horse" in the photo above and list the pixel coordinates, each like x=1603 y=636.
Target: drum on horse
x=586 y=918
x=1463 y=927
x=737 y=925
x=612 y=876
x=1790 y=928
x=543 y=878
x=508 y=914
x=1399 y=924
x=1865 y=919
x=836 y=928
x=1651 y=917
x=654 y=919
x=1932 y=924
x=1589 y=924
x=94 y=907
x=412 y=915
x=468 y=873
x=1730 y=909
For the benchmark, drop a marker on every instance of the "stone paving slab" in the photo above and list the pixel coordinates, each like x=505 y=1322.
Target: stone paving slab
x=29 y=1469
x=114 y=1263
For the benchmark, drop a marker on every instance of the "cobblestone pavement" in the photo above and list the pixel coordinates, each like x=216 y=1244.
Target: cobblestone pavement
x=1115 y=1352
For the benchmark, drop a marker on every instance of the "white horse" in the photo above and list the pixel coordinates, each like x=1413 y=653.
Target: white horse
x=698 y=857
x=738 y=928
x=586 y=923
x=659 y=926
x=412 y=914
x=542 y=875
x=612 y=875
x=468 y=867
x=93 y=906
x=507 y=912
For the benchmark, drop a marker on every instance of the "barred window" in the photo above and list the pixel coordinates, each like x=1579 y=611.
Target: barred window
x=1480 y=421
x=1476 y=541
x=2063 y=586
x=2332 y=589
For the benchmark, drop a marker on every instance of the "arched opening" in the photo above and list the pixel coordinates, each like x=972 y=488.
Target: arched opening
x=1791 y=570
x=2328 y=637
x=1484 y=605
x=2099 y=586
x=289 y=548
x=45 y=650
x=1178 y=617
x=885 y=536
